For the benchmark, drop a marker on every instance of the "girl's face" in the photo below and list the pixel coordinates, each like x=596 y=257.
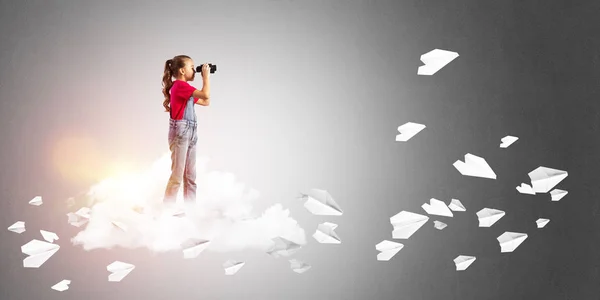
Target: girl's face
x=188 y=71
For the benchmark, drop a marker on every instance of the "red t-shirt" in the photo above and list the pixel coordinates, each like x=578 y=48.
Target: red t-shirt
x=181 y=92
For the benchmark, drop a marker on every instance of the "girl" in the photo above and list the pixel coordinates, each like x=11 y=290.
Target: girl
x=180 y=98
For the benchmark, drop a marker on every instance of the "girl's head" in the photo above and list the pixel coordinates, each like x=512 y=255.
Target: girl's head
x=181 y=67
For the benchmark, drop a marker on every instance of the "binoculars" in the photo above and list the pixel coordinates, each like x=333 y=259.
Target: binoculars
x=213 y=68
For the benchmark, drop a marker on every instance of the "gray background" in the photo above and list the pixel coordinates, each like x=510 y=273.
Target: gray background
x=309 y=94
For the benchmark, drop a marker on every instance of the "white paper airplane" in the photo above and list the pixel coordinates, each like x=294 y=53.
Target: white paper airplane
x=408 y=130
x=541 y=222
x=437 y=208
x=544 y=179
x=488 y=216
x=462 y=262
x=325 y=234
x=525 y=189
x=439 y=225
x=456 y=205
x=321 y=203
x=282 y=247
x=193 y=247
x=120 y=225
x=474 y=166
x=232 y=266
x=406 y=224
x=388 y=249
x=80 y=217
x=557 y=194
x=434 y=60
x=509 y=241
x=508 y=140
x=50 y=237
x=62 y=286
x=299 y=266
x=18 y=227
x=37 y=201
x=119 y=270
x=39 y=252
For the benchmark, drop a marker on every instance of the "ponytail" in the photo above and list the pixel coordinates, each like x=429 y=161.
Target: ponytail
x=167 y=83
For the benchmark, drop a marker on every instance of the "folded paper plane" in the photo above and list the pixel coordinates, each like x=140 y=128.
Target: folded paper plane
x=39 y=252
x=18 y=227
x=321 y=203
x=557 y=194
x=544 y=179
x=488 y=216
x=282 y=247
x=325 y=234
x=456 y=205
x=437 y=208
x=509 y=241
x=474 y=166
x=408 y=130
x=508 y=140
x=406 y=224
x=541 y=222
x=388 y=249
x=435 y=60
x=193 y=247
x=119 y=270
x=299 y=266
x=525 y=189
x=439 y=225
x=62 y=286
x=462 y=262
x=37 y=201
x=232 y=266
x=50 y=237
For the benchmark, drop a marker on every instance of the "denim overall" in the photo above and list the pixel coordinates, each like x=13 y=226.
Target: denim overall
x=182 y=142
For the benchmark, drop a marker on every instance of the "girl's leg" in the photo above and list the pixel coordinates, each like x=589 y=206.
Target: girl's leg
x=189 y=183
x=179 y=144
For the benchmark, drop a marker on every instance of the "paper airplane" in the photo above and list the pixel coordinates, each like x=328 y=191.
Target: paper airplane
x=325 y=234
x=508 y=140
x=406 y=224
x=231 y=266
x=434 y=60
x=388 y=249
x=193 y=247
x=299 y=266
x=439 y=225
x=509 y=241
x=282 y=247
x=557 y=194
x=544 y=179
x=62 y=286
x=322 y=204
x=120 y=225
x=541 y=222
x=39 y=252
x=488 y=216
x=408 y=130
x=37 y=201
x=456 y=205
x=462 y=262
x=80 y=217
x=119 y=270
x=18 y=227
x=474 y=166
x=50 y=237
x=525 y=189
x=437 y=207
